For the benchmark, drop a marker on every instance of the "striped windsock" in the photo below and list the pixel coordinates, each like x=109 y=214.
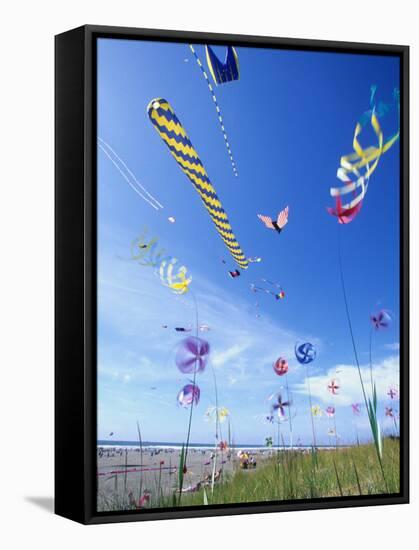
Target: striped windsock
x=174 y=135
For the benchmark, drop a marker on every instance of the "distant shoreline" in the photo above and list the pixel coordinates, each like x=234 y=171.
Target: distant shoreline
x=208 y=446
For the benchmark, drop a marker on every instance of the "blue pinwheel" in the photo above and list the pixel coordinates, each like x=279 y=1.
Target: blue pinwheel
x=305 y=353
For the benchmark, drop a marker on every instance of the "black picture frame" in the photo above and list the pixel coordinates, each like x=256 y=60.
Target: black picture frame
x=75 y=272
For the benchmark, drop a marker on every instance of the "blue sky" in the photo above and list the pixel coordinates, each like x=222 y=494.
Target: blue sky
x=289 y=119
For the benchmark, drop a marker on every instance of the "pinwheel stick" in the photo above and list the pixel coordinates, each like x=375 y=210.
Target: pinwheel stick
x=289 y=410
x=217 y=428
x=311 y=407
x=193 y=400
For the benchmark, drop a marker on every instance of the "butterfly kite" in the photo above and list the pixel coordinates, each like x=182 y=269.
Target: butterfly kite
x=280 y=222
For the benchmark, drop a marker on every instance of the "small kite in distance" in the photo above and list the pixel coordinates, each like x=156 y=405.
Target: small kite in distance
x=111 y=434
x=279 y=224
x=234 y=274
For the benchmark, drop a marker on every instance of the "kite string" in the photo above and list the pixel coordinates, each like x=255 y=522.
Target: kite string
x=127 y=174
x=217 y=108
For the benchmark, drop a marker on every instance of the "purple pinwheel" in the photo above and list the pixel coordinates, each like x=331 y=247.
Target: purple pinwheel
x=192 y=355
x=393 y=393
x=381 y=319
x=330 y=411
x=280 y=406
x=356 y=408
x=188 y=395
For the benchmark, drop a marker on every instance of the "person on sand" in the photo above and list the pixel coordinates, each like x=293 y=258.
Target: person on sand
x=244 y=460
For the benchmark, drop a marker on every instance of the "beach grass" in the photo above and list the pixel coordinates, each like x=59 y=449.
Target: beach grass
x=333 y=473
x=291 y=475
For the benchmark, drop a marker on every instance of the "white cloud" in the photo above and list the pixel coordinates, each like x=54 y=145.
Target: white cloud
x=395 y=346
x=220 y=358
x=243 y=347
x=385 y=374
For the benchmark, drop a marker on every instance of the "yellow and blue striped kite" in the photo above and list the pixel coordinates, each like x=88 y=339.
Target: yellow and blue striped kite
x=174 y=135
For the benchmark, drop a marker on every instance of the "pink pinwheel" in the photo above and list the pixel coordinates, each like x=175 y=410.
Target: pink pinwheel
x=330 y=411
x=280 y=366
x=389 y=412
x=333 y=386
x=188 y=395
x=192 y=355
x=356 y=408
x=393 y=393
x=381 y=319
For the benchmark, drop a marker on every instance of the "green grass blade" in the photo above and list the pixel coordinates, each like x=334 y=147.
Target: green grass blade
x=181 y=465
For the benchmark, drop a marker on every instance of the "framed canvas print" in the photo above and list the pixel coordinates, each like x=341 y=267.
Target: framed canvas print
x=231 y=274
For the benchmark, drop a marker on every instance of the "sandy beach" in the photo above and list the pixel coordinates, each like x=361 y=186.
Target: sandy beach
x=122 y=470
